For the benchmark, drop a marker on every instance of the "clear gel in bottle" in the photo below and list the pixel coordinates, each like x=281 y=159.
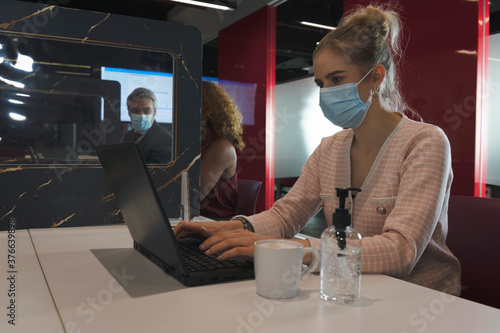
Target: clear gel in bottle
x=341 y=256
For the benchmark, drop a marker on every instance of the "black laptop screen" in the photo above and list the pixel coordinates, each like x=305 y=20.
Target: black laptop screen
x=137 y=198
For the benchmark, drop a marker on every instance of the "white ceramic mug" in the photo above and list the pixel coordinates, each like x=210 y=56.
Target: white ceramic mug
x=278 y=267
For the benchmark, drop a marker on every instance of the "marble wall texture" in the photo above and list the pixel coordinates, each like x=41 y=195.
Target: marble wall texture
x=49 y=173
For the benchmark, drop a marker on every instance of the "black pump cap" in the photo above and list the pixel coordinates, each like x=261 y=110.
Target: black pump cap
x=342 y=217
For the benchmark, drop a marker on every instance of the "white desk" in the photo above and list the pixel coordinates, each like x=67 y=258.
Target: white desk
x=25 y=298
x=82 y=266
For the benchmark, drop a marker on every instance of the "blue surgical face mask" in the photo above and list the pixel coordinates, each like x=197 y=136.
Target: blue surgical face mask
x=342 y=105
x=141 y=122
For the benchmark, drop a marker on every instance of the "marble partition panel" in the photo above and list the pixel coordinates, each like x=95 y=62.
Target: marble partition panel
x=55 y=107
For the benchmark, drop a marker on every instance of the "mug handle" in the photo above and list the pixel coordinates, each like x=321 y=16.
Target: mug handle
x=312 y=266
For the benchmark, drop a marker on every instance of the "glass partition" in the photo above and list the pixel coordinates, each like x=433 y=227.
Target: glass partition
x=60 y=99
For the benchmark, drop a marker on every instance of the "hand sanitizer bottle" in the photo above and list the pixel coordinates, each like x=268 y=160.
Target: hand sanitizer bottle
x=341 y=256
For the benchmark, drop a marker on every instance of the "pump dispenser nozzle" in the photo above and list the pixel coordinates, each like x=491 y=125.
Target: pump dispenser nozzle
x=342 y=218
x=341 y=255
x=342 y=194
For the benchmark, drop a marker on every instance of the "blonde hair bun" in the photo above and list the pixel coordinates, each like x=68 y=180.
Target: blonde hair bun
x=369 y=36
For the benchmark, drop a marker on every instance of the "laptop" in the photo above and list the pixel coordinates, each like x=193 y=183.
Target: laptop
x=148 y=224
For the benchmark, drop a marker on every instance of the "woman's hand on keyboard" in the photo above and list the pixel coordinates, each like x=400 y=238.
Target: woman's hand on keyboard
x=203 y=229
x=232 y=243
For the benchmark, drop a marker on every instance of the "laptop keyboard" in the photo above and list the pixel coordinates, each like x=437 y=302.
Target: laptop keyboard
x=197 y=261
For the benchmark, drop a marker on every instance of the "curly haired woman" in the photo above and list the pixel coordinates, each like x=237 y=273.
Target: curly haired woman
x=221 y=132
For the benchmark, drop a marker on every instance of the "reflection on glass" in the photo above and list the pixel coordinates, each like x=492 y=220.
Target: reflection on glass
x=161 y=84
x=153 y=141
x=17 y=116
x=58 y=100
x=23 y=63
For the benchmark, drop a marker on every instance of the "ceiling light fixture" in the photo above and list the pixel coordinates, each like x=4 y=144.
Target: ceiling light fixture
x=15 y=101
x=468 y=52
x=204 y=4
x=276 y=3
x=316 y=25
x=12 y=83
x=24 y=63
x=17 y=116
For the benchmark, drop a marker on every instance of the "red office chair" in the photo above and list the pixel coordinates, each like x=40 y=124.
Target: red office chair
x=474 y=227
x=248 y=192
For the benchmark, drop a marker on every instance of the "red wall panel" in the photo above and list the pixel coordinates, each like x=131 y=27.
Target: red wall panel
x=247 y=55
x=439 y=73
x=482 y=95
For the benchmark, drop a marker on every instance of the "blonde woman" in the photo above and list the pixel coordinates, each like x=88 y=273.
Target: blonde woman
x=403 y=167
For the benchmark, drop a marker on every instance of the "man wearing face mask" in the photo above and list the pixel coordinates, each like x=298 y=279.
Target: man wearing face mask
x=154 y=141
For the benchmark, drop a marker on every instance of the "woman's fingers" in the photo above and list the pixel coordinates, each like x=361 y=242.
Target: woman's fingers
x=234 y=243
x=237 y=252
x=220 y=237
x=191 y=229
x=224 y=240
x=203 y=229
